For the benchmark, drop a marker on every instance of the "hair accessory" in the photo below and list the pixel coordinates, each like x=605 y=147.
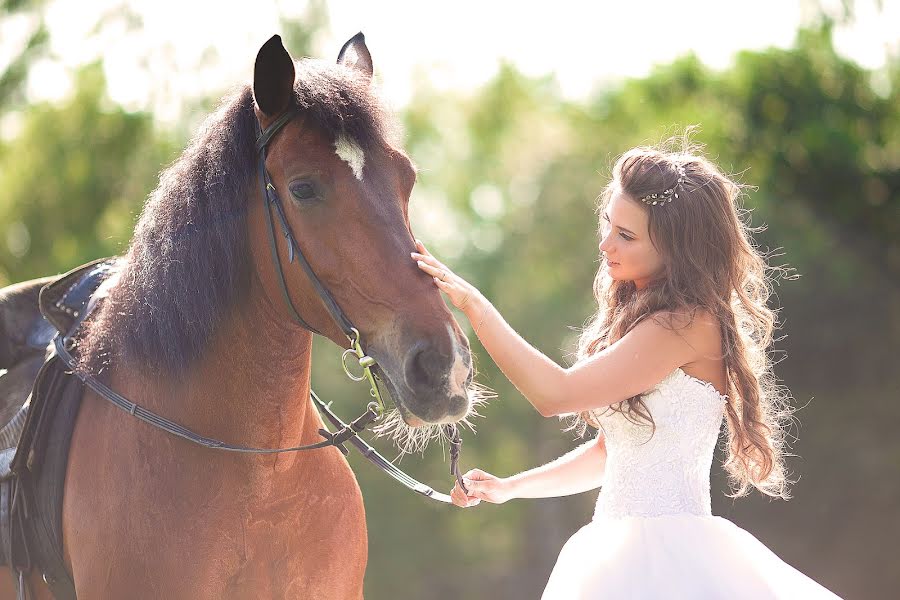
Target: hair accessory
x=666 y=195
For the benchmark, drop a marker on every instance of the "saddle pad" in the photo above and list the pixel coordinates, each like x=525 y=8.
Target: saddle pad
x=31 y=500
x=31 y=497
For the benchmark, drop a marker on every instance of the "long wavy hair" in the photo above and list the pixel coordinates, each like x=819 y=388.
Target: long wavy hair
x=711 y=262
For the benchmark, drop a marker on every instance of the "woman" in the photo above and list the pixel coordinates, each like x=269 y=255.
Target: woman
x=677 y=345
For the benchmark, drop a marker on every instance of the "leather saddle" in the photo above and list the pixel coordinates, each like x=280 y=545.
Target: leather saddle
x=32 y=473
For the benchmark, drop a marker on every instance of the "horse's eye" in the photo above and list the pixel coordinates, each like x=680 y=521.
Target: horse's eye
x=303 y=190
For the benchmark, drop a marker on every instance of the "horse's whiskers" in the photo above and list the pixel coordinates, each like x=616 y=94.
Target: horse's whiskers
x=407 y=439
x=415 y=439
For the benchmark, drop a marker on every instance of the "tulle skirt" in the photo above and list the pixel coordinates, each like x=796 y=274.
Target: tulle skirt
x=673 y=556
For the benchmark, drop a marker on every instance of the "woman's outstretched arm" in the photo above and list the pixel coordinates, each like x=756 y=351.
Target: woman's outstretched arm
x=535 y=375
x=579 y=470
x=632 y=365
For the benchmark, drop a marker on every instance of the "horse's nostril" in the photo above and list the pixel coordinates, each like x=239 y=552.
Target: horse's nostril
x=424 y=366
x=458 y=405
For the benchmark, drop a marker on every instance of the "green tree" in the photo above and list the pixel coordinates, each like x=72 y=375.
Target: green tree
x=14 y=73
x=517 y=170
x=73 y=181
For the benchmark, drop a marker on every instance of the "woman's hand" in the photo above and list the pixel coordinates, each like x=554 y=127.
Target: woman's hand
x=482 y=486
x=462 y=294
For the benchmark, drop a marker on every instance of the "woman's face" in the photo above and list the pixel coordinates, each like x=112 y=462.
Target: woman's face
x=630 y=255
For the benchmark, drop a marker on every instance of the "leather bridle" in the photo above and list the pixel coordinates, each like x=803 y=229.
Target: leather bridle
x=64 y=345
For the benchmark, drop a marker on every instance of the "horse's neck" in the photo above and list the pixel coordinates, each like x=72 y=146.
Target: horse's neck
x=251 y=387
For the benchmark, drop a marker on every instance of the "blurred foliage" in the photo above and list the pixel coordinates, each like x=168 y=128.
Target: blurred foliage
x=14 y=73
x=507 y=186
x=74 y=179
x=518 y=169
x=301 y=35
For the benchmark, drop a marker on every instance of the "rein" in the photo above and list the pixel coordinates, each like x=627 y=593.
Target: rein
x=64 y=345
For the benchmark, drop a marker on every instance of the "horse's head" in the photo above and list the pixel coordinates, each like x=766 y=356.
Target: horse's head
x=345 y=190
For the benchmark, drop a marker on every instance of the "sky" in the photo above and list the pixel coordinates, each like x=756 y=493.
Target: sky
x=190 y=49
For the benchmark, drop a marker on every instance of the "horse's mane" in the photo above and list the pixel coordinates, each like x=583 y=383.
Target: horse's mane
x=187 y=265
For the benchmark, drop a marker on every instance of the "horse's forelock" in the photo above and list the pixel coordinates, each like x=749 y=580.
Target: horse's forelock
x=343 y=103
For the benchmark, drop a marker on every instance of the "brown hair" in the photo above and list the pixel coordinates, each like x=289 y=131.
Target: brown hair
x=712 y=263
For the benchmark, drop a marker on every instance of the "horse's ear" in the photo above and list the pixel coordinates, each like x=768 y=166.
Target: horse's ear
x=355 y=54
x=273 y=77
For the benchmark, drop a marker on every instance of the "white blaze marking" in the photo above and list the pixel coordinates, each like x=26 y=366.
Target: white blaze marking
x=350 y=152
x=458 y=371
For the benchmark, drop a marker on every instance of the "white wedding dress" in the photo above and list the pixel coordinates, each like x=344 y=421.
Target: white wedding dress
x=653 y=535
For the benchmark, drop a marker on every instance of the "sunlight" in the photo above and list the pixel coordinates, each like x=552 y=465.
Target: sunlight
x=167 y=61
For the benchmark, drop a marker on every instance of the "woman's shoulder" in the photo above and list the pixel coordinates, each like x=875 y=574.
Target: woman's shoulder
x=698 y=325
x=693 y=318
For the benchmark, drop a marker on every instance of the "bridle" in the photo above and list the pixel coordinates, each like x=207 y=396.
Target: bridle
x=271 y=202
x=64 y=345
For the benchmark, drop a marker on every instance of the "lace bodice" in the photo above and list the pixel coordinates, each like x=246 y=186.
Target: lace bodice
x=669 y=474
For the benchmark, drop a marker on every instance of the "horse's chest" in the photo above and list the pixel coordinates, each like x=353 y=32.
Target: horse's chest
x=219 y=527
x=306 y=541
x=314 y=508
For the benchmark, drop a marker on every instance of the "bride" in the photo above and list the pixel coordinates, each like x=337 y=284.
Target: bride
x=677 y=345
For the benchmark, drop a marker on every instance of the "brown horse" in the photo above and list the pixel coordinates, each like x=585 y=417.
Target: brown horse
x=195 y=328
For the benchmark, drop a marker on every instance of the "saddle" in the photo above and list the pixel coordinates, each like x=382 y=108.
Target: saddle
x=32 y=474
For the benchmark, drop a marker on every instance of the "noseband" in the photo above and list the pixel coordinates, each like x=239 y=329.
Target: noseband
x=64 y=345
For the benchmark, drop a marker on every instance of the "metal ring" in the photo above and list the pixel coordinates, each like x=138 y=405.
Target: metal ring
x=347 y=369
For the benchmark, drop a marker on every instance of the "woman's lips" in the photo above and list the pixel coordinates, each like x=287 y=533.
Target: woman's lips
x=611 y=263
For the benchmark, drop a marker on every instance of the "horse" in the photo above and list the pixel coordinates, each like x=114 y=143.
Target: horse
x=200 y=325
